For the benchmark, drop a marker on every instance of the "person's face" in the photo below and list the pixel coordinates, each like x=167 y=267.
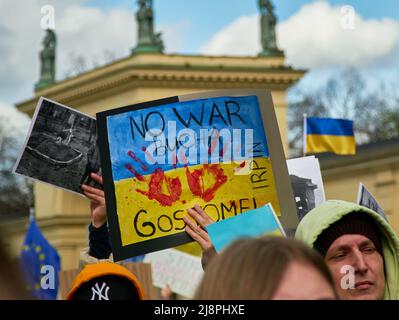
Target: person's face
x=302 y=281
x=360 y=253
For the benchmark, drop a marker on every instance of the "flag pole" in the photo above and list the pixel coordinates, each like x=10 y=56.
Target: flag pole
x=304 y=134
x=31 y=213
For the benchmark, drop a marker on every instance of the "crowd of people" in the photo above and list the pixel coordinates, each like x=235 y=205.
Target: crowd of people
x=341 y=251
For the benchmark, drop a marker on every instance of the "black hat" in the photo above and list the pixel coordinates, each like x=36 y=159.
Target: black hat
x=353 y=223
x=109 y=287
x=105 y=281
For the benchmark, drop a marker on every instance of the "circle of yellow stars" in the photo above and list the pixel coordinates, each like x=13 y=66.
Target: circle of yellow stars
x=42 y=256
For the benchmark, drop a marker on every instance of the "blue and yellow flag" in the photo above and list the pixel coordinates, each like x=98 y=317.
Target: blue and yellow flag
x=40 y=264
x=329 y=135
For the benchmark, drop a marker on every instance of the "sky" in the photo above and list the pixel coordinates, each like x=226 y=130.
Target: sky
x=317 y=35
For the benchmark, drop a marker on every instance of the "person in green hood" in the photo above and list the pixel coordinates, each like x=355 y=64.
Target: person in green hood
x=355 y=242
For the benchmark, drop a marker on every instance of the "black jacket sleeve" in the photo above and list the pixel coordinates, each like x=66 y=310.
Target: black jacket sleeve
x=99 y=244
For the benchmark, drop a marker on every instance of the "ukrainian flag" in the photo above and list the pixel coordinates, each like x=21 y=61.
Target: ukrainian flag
x=329 y=135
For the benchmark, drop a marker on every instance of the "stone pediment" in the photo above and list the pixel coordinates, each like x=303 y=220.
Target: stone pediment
x=155 y=70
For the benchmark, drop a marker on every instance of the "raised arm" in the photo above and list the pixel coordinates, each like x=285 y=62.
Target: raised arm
x=99 y=245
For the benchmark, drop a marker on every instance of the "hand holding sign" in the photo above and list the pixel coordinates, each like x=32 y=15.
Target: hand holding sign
x=166 y=293
x=97 y=204
x=198 y=233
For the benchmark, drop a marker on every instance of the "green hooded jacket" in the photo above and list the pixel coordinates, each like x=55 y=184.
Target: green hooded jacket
x=320 y=218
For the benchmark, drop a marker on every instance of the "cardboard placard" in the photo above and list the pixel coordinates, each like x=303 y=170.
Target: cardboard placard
x=181 y=271
x=220 y=149
x=254 y=223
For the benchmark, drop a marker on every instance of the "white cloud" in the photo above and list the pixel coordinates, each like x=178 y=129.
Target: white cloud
x=173 y=34
x=90 y=32
x=4 y=104
x=86 y=31
x=14 y=126
x=241 y=37
x=19 y=46
x=13 y=121
x=314 y=37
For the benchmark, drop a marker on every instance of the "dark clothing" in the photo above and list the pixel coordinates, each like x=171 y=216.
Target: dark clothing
x=99 y=244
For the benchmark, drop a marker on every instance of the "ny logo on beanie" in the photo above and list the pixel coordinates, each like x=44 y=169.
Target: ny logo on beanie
x=98 y=292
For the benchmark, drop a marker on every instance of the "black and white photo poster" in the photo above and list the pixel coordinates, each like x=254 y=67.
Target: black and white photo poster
x=366 y=199
x=307 y=183
x=61 y=147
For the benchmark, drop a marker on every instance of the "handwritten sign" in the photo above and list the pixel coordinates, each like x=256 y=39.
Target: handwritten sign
x=254 y=223
x=162 y=157
x=181 y=271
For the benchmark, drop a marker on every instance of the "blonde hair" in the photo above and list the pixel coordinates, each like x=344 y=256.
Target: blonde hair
x=253 y=268
x=12 y=286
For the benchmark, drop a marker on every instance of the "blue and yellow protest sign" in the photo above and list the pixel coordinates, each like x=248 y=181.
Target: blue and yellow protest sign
x=162 y=157
x=251 y=224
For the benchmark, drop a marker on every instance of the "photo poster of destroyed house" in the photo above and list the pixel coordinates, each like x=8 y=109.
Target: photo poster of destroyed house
x=307 y=184
x=365 y=198
x=60 y=148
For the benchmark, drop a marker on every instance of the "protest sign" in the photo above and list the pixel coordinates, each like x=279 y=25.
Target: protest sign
x=60 y=148
x=220 y=149
x=181 y=271
x=307 y=183
x=366 y=199
x=253 y=223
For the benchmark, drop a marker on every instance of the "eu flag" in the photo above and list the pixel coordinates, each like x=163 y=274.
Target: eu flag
x=40 y=264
